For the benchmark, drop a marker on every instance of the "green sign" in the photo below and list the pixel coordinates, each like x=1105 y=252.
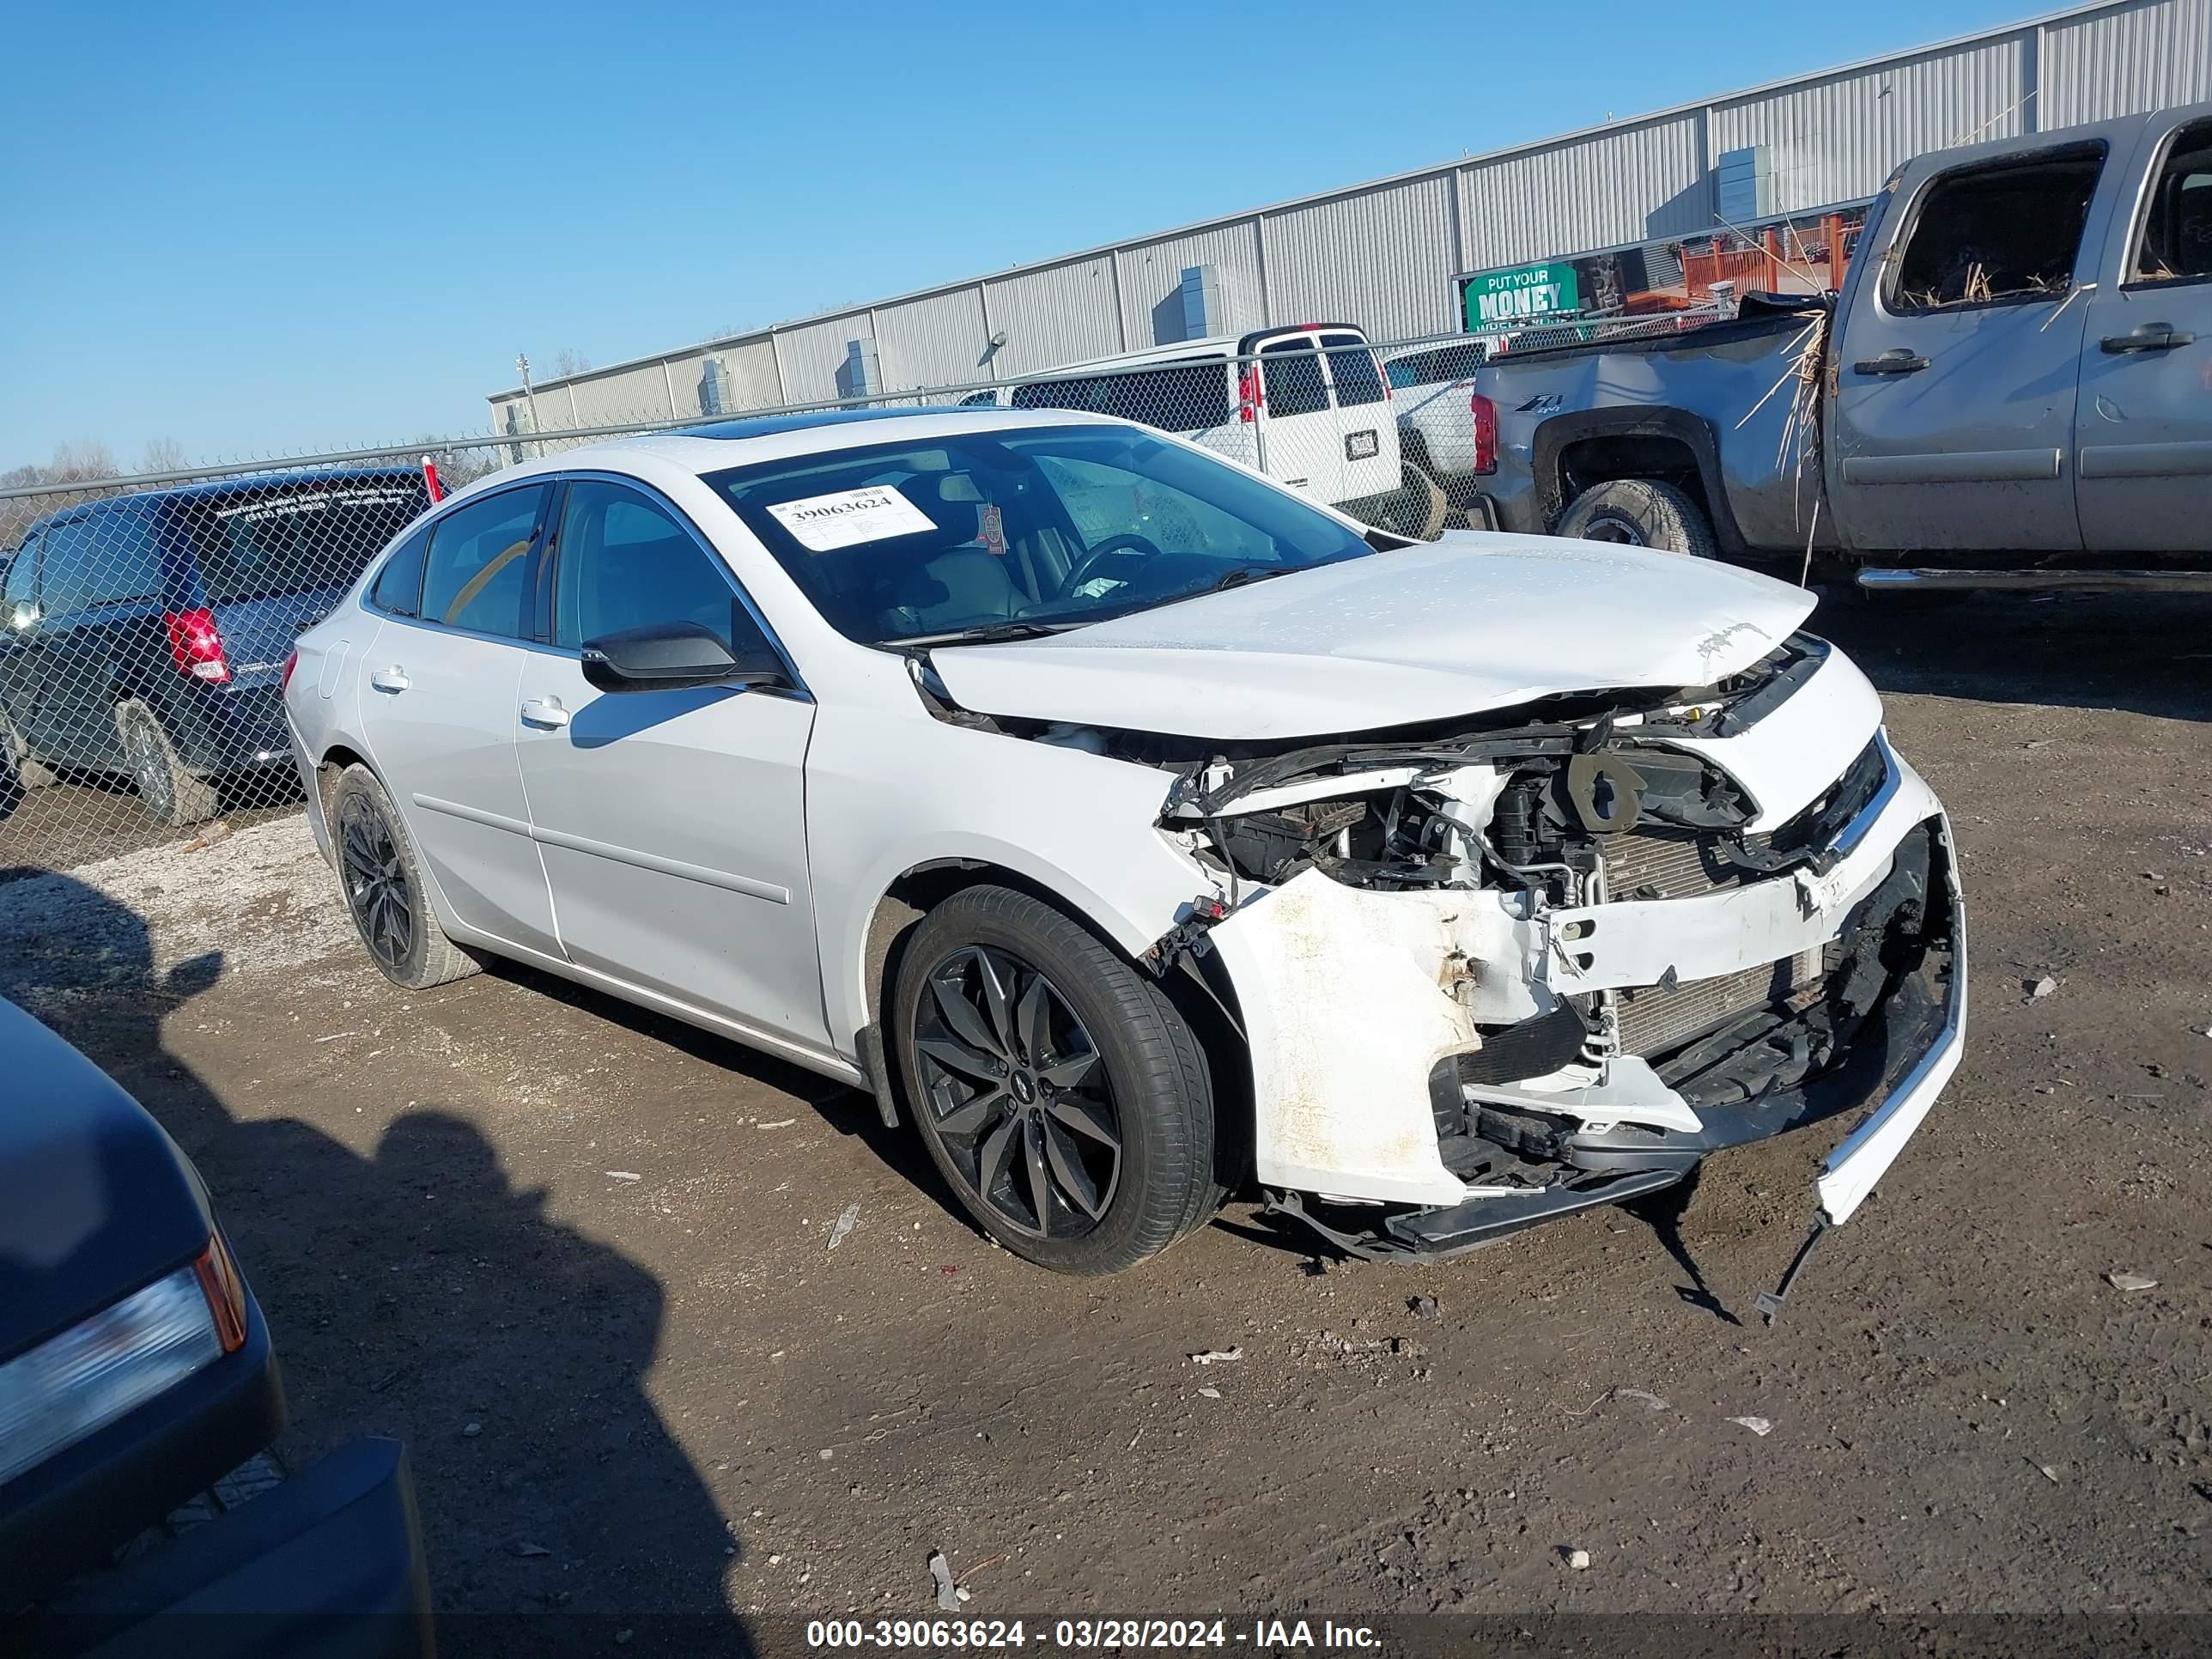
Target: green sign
x=1497 y=299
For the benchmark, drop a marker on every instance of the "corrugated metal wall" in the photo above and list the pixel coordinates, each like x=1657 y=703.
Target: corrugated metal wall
x=1836 y=139
x=2146 y=56
x=1620 y=186
x=1384 y=255
x=1383 y=258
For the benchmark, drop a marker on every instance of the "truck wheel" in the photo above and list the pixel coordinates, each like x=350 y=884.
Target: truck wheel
x=167 y=790
x=1058 y=1089
x=1638 y=513
x=381 y=880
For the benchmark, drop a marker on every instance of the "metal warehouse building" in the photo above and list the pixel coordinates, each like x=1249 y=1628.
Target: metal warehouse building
x=1390 y=255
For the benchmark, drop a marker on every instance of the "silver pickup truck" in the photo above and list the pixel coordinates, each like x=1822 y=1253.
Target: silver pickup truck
x=2012 y=388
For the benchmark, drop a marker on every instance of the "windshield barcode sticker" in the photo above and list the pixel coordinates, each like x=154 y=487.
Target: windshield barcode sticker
x=823 y=524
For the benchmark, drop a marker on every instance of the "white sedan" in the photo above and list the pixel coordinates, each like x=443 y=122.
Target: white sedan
x=1142 y=831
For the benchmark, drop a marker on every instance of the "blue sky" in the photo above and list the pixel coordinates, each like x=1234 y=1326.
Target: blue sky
x=263 y=229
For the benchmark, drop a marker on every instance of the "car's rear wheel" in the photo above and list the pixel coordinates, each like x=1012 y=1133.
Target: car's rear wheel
x=1419 y=507
x=1057 y=1089
x=169 y=791
x=1639 y=513
x=385 y=891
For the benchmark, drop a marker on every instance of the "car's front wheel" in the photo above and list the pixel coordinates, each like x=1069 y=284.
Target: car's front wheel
x=385 y=891
x=1057 y=1089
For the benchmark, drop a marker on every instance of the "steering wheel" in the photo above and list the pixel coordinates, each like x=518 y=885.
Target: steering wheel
x=1128 y=541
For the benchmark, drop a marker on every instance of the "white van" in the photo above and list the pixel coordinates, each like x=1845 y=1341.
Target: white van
x=1307 y=405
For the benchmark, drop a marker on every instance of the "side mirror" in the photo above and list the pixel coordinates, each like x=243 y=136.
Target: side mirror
x=671 y=656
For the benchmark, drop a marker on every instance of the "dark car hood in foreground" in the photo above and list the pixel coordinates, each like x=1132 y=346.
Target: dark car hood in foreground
x=95 y=1200
x=1461 y=626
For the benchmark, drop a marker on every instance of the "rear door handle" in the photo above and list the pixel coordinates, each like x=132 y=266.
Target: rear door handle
x=545 y=711
x=393 y=678
x=2150 y=337
x=1895 y=360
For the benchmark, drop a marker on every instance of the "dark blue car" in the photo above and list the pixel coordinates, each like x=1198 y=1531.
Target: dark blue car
x=145 y=634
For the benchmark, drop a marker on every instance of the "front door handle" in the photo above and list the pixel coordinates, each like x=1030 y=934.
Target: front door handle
x=2150 y=337
x=393 y=678
x=1896 y=361
x=545 y=711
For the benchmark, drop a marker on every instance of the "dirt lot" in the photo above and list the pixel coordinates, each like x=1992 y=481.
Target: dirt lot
x=576 y=1256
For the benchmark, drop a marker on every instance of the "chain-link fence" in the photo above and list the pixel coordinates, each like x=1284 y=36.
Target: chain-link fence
x=146 y=622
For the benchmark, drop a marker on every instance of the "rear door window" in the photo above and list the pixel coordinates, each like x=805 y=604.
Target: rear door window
x=1291 y=378
x=22 y=586
x=477 y=572
x=1352 y=367
x=2176 y=246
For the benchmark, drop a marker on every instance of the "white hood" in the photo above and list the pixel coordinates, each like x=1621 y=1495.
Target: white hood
x=1466 y=624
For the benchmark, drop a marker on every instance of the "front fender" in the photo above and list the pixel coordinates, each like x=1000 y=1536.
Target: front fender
x=889 y=793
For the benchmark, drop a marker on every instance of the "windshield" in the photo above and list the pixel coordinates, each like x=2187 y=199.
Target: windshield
x=1025 y=530
x=296 y=541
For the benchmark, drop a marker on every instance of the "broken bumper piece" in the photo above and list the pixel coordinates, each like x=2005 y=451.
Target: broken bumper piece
x=1861 y=1010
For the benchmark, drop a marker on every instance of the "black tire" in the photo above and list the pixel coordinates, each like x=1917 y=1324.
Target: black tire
x=1123 y=1146
x=1639 y=513
x=169 y=791
x=1419 y=507
x=380 y=879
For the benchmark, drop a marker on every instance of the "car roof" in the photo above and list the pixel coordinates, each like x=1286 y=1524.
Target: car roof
x=248 y=484
x=717 y=445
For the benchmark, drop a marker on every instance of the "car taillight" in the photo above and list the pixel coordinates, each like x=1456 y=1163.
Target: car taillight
x=1382 y=375
x=284 y=679
x=196 y=646
x=431 y=482
x=1248 y=393
x=1486 y=432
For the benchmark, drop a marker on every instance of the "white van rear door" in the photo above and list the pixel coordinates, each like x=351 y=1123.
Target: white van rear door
x=1301 y=439
x=1363 y=415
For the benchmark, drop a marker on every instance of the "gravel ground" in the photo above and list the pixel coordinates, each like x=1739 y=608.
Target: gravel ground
x=579 y=1257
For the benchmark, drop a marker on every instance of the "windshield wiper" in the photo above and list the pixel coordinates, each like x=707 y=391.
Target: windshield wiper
x=989 y=633
x=1239 y=575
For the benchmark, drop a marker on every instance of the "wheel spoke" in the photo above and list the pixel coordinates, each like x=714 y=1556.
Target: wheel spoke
x=960 y=1014
x=1070 y=1070
x=1037 y=1022
x=1081 y=1119
x=970 y=1115
x=998 y=997
x=956 y=1055
x=991 y=1159
x=1040 y=1181
x=1068 y=1166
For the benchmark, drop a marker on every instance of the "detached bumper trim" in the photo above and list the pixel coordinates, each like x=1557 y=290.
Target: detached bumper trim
x=1868 y=1151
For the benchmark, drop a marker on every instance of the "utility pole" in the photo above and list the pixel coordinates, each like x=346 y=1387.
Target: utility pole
x=522 y=368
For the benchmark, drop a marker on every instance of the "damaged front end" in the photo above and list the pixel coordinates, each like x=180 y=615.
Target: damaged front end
x=1489 y=978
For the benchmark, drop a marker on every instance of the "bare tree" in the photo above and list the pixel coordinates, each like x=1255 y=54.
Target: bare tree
x=568 y=360
x=80 y=459
x=163 y=455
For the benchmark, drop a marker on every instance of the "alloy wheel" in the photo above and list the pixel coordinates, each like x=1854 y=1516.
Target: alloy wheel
x=376 y=884
x=1019 y=1093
